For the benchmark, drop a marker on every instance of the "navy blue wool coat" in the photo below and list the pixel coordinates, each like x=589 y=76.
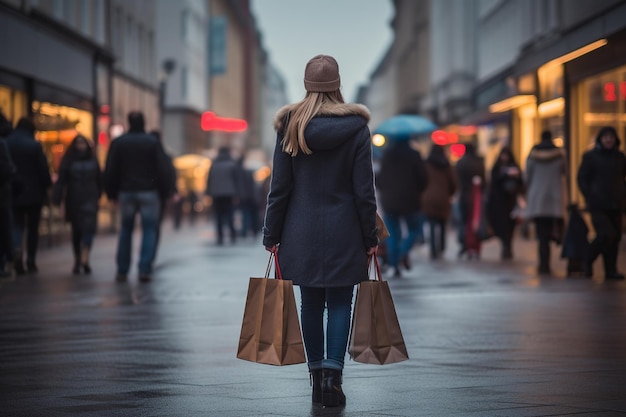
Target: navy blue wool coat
x=321 y=207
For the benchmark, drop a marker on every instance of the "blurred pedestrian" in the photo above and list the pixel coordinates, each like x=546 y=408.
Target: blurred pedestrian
x=401 y=180
x=248 y=201
x=78 y=188
x=223 y=188
x=321 y=216
x=437 y=198
x=545 y=177
x=136 y=177
x=30 y=185
x=469 y=166
x=7 y=170
x=601 y=179
x=506 y=186
x=193 y=201
x=171 y=193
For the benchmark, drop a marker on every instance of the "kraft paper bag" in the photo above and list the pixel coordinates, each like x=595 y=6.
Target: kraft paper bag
x=376 y=337
x=270 y=330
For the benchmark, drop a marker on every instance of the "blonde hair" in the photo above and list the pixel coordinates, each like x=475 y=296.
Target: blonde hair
x=293 y=140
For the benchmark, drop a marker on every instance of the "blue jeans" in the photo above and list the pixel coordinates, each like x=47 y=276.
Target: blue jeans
x=397 y=245
x=148 y=205
x=338 y=301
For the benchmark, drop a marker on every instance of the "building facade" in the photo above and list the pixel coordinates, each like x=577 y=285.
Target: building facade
x=182 y=49
x=134 y=77
x=502 y=71
x=57 y=68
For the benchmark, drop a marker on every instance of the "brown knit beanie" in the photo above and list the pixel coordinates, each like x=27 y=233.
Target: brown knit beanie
x=322 y=74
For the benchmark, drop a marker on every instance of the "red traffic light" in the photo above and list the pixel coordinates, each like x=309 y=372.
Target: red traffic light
x=210 y=121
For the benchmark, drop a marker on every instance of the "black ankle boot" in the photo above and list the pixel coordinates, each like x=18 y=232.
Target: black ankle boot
x=332 y=394
x=317 y=379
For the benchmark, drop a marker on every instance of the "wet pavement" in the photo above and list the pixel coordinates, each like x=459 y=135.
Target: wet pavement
x=485 y=338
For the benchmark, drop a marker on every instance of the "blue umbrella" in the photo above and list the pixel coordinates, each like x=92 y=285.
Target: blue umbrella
x=403 y=126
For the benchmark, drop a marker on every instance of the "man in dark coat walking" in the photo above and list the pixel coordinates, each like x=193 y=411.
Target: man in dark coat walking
x=7 y=170
x=401 y=179
x=136 y=177
x=601 y=179
x=224 y=188
x=30 y=185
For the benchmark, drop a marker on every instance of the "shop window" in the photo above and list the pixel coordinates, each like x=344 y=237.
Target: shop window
x=57 y=126
x=12 y=103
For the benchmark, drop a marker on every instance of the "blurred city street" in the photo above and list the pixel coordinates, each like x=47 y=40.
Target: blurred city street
x=485 y=338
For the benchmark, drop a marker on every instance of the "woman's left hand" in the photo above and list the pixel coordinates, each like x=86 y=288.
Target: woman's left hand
x=372 y=251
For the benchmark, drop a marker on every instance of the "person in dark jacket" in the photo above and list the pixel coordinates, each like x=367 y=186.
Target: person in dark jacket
x=601 y=179
x=30 y=184
x=546 y=169
x=223 y=188
x=467 y=168
x=437 y=198
x=7 y=170
x=136 y=177
x=401 y=180
x=79 y=187
x=505 y=187
x=248 y=200
x=321 y=216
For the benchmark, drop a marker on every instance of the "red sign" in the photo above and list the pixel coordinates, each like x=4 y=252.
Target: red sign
x=210 y=121
x=441 y=137
x=610 y=91
x=457 y=150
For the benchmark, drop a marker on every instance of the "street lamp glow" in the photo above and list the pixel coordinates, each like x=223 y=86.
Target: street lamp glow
x=378 y=140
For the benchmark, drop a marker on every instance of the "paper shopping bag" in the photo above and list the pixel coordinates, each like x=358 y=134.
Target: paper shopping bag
x=270 y=330
x=376 y=337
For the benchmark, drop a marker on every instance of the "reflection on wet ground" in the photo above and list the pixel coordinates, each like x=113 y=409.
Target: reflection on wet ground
x=485 y=339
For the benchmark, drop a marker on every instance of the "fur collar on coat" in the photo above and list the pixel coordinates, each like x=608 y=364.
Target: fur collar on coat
x=328 y=109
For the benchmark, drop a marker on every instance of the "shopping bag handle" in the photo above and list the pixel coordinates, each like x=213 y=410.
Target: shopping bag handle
x=274 y=256
x=377 y=273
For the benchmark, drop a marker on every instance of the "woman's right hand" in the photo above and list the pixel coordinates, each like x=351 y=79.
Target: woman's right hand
x=272 y=249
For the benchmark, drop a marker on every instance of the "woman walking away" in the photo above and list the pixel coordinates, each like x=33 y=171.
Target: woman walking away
x=79 y=186
x=545 y=184
x=321 y=216
x=506 y=185
x=436 y=199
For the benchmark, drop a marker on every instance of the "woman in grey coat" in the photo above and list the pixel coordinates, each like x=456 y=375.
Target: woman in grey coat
x=545 y=194
x=321 y=215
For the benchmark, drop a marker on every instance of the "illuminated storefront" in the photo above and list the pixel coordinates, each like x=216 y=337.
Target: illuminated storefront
x=12 y=102
x=57 y=126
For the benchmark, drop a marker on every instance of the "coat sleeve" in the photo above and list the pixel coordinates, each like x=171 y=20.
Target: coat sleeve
x=165 y=172
x=7 y=168
x=58 y=189
x=281 y=185
x=364 y=193
x=585 y=176
x=421 y=175
x=44 y=170
x=111 y=173
x=453 y=181
x=530 y=171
